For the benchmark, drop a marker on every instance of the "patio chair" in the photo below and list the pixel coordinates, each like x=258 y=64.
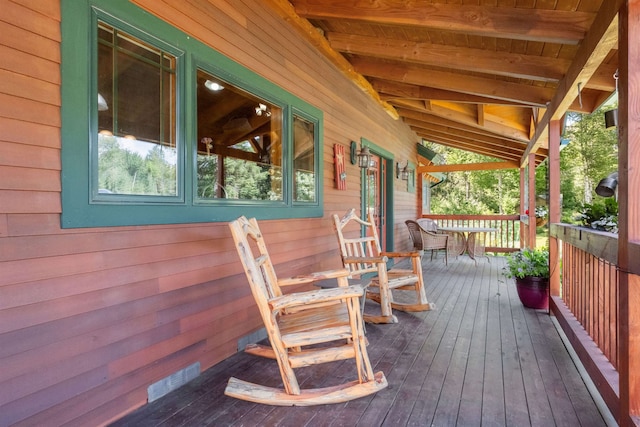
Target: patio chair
x=424 y=240
x=456 y=242
x=304 y=328
x=362 y=256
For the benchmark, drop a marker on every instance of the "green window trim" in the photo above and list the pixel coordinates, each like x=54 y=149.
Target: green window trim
x=82 y=206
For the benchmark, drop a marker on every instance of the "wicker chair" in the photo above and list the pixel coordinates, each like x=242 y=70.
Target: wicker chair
x=424 y=240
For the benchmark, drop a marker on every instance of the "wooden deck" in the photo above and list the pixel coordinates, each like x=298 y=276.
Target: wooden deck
x=479 y=359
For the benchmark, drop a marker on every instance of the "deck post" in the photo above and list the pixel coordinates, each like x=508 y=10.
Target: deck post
x=554 y=205
x=531 y=233
x=629 y=204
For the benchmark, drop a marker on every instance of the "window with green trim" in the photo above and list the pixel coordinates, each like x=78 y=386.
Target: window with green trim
x=176 y=131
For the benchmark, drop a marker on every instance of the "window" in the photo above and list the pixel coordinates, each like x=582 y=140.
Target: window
x=136 y=144
x=239 y=149
x=176 y=131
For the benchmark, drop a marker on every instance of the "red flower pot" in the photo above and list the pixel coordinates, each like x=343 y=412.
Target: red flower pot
x=533 y=291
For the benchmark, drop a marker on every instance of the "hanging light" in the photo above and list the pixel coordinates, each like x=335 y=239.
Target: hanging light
x=364 y=158
x=611 y=116
x=608 y=185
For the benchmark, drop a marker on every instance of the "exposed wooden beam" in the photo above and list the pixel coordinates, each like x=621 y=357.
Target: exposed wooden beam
x=473 y=85
x=392 y=90
x=501 y=143
x=542 y=25
x=534 y=67
x=599 y=41
x=497 y=129
x=468 y=167
x=286 y=11
x=473 y=148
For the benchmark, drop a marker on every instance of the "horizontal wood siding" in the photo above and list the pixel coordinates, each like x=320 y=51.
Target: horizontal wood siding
x=89 y=318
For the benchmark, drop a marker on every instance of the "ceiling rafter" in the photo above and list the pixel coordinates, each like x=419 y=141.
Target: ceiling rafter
x=507 y=64
x=542 y=25
x=472 y=85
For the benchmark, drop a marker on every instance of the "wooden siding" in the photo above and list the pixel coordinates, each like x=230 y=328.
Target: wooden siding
x=90 y=317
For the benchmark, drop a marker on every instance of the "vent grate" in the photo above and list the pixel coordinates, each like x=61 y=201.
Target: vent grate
x=177 y=379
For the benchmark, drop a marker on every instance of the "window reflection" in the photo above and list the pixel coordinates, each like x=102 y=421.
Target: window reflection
x=136 y=116
x=239 y=149
x=303 y=161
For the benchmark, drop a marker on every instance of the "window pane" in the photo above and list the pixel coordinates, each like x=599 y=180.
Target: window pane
x=239 y=150
x=136 y=116
x=303 y=161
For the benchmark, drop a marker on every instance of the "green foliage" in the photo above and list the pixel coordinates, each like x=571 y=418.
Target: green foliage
x=602 y=214
x=528 y=262
x=477 y=192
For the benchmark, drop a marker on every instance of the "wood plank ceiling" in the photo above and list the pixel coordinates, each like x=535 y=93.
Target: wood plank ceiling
x=480 y=75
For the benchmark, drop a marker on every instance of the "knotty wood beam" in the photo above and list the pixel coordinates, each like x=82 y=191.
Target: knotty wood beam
x=497 y=129
x=599 y=41
x=469 y=167
x=392 y=90
x=473 y=85
x=508 y=145
x=285 y=10
x=507 y=64
x=542 y=25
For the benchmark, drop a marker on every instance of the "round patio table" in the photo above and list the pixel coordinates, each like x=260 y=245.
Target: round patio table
x=471 y=240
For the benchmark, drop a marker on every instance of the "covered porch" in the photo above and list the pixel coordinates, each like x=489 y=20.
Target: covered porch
x=480 y=358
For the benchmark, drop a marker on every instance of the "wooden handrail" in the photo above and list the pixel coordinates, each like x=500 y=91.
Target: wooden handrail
x=505 y=239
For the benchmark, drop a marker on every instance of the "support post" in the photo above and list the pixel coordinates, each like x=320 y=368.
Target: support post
x=532 y=201
x=555 y=207
x=629 y=207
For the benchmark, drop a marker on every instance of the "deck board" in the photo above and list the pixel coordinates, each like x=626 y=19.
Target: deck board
x=479 y=358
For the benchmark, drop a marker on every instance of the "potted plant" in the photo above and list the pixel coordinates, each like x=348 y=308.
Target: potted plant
x=541 y=215
x=530 y=268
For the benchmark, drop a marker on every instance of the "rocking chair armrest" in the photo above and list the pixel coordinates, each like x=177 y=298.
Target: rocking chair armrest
x=401 y=254
x=314 y=277
x=364 y=259
x=314 y=297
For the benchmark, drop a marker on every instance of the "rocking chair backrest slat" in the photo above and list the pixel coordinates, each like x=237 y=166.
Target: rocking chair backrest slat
x=259 y=270
x=367 y=246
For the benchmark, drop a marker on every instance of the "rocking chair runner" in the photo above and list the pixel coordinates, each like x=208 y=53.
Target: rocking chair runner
x=296 y=322
x=363 y=255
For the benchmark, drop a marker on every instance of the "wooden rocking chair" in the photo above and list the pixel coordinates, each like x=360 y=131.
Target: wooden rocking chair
x=363 y=256
x=296 y=323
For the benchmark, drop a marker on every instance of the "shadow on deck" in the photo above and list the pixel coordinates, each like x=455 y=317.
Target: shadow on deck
x=479 y=359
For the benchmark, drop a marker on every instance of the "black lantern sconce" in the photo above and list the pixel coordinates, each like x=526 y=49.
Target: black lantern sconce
x=364 y=157
x=402 y=173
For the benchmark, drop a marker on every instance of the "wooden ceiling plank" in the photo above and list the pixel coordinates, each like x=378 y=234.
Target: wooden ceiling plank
x=473 y=85
x=392 y=90
x=468 y=167
x=555 y=26
x=516 y=65
x=495 y=128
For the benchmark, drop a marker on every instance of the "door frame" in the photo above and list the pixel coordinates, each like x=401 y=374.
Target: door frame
x=387 y=186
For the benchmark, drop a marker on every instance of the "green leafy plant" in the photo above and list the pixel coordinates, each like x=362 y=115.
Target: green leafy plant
x=528 y=262
x=601 y=215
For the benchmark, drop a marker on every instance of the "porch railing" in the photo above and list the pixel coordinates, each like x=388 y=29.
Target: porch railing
x=587 y=307
x=506 y=238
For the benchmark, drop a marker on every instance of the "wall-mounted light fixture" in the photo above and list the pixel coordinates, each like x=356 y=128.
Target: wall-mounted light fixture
x=608 y=186
x=402 y=173
x=364 y=157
